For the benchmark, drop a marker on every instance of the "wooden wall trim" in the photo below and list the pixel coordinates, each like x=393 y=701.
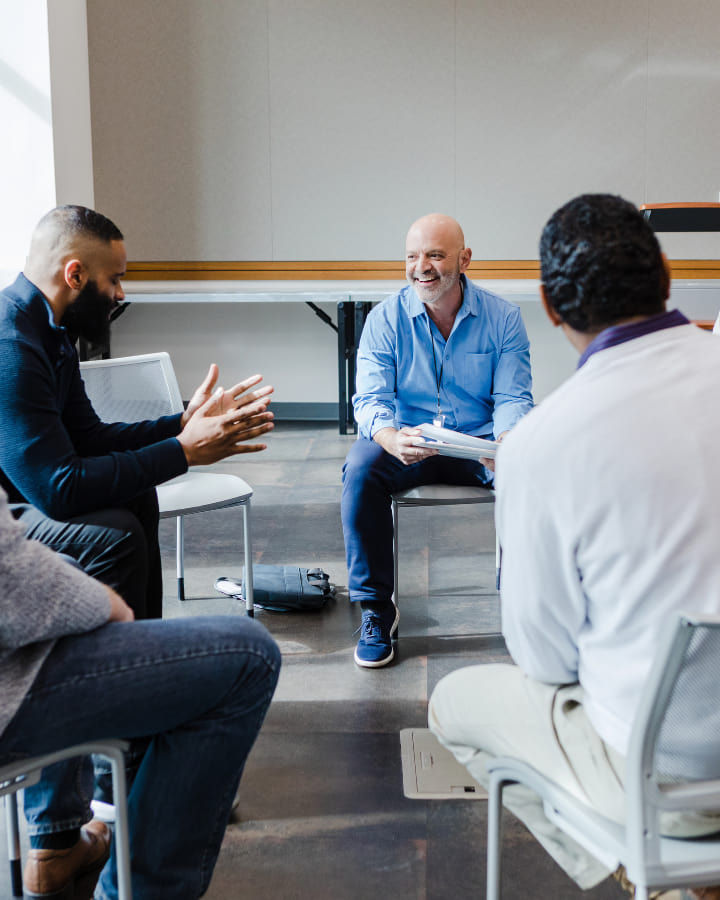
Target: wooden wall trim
x=364 y=270
x=695 y=268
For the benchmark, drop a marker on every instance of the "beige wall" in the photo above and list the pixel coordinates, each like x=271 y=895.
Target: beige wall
x=273 y=129
x=285 y=130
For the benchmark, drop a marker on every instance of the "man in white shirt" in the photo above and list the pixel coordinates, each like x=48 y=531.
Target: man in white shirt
x=606 y=531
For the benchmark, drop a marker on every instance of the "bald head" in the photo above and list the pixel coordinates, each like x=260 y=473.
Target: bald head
x=435 y=258
x=440 y=228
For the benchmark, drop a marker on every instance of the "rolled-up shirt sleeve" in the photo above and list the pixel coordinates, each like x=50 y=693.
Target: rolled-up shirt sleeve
x=512 y=380
x=376 y=378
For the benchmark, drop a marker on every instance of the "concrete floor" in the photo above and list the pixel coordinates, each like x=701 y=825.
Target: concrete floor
x=322 y=812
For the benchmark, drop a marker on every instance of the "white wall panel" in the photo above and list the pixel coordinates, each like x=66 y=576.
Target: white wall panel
x=180 y=126
x=683 y=146
x=276 y=129
x=310 y=129
x=286 y=343
x=550 y=104
x=363 y=124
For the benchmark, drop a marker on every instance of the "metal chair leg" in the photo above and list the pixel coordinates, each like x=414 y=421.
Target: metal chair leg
x=396 y=564
x=121 y=831
x=494 y=838
x=248 y=586
x=13 y=839
x=180 y=557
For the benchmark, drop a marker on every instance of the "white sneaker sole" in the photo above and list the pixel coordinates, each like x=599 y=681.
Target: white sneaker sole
x=395 y=624
x=105 y=812
x=368 y=664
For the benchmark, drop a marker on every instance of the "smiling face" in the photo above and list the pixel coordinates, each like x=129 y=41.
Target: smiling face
x=435 y=257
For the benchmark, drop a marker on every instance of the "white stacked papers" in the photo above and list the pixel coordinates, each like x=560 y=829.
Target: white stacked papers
x=453 y=443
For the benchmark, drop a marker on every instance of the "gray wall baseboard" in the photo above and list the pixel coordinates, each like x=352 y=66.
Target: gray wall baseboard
x=311 y=412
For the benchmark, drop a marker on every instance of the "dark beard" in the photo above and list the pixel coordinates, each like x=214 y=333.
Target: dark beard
x=89 y=316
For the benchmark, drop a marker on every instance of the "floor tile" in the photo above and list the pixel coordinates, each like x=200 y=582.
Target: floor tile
x=322 y=813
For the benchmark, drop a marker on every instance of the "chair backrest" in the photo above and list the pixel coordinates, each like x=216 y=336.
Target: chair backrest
x=132 y=388
x=673 y=761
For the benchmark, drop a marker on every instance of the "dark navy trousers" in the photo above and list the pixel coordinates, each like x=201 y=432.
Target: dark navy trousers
x=370 y=477
x=118 y=546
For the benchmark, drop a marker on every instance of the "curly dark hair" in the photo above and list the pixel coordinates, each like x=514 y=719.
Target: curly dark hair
x=79 y=220
x=601 y=263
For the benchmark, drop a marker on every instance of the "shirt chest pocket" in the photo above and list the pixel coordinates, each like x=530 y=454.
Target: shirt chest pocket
x=477 y=376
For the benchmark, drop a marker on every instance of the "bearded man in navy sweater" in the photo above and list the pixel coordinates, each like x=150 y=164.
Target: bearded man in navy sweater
x=83 y=487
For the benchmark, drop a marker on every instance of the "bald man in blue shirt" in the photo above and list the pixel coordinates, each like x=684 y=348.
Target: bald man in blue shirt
x=441 y=349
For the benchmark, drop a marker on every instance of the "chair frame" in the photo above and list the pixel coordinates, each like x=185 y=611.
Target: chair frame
x=179 y=514
x=177 y=406
x=651 y=861
x=437 y=495
x=24 y=773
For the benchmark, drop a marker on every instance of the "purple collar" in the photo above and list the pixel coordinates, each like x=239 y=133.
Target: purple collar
x=618 y=334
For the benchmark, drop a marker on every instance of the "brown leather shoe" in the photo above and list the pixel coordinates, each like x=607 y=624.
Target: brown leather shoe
x=53 y=874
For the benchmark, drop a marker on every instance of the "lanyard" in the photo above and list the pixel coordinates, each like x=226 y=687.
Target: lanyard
x=439 y=420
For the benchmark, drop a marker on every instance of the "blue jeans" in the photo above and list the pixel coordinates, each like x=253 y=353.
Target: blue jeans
x=370 y=476
x=199 y=688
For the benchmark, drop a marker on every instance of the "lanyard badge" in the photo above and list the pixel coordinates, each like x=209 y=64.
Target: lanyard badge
x=439 y=420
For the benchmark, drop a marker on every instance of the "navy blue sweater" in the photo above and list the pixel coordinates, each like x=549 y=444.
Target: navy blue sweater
x=54 y=451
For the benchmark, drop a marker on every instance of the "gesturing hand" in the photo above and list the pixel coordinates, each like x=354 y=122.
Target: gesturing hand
x=217 y=426
x=201 y=395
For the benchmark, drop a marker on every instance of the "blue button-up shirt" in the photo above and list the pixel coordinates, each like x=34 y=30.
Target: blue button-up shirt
x=482 y=370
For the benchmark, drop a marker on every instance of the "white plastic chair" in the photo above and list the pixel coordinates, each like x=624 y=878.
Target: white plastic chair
x=26 y=772
x=135 y=388
x=437 y=495
x=663 y=773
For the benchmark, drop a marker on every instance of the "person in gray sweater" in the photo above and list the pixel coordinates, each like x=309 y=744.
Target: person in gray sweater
x=74 y=667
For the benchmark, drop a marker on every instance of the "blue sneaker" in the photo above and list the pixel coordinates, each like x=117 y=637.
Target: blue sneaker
x=374 y=649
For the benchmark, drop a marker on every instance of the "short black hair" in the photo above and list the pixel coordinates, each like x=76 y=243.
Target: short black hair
x=76 y=221
x=600 y=263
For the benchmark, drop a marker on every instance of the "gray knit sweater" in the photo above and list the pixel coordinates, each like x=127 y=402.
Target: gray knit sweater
x=42 y=598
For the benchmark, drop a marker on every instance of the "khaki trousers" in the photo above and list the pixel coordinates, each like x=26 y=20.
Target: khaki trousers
x=485 y=711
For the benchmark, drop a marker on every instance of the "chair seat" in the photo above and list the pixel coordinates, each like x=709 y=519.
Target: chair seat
x=443 y=495
x=200 y=491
